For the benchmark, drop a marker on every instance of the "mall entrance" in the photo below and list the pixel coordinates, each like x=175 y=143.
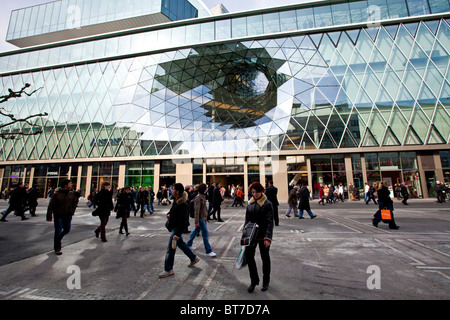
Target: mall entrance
x=226 y=181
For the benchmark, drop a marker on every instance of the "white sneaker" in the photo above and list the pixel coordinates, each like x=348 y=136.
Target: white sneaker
x=192 y=247
x=166 y=274
x=211 y=254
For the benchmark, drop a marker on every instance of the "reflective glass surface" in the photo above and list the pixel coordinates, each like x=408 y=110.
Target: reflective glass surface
x=365 y=87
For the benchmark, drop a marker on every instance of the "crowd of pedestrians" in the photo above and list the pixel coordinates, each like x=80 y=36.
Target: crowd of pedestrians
x=201 y=203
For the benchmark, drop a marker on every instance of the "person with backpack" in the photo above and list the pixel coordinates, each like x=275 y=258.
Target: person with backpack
x=198 y=211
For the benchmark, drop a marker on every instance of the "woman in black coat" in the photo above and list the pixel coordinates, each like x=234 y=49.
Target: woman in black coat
x=259 y=211
x=123 y=207
x=104 y=203
x=384 y=202
x=304 y=202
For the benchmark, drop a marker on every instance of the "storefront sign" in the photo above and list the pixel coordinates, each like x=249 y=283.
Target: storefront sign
x=104 y=142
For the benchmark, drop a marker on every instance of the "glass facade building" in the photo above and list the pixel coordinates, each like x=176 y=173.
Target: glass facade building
x=325 y=92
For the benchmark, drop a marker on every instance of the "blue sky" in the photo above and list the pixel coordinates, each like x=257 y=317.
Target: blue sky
x=231 y=5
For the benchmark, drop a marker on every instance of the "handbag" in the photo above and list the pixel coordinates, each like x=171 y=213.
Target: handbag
x=386 y=215
x=249 y=234
x=168 y=227
x=96 y=212
x=241 y=262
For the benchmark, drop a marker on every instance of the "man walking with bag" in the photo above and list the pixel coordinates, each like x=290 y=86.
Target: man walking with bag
x=62 y=206
x=200 y=215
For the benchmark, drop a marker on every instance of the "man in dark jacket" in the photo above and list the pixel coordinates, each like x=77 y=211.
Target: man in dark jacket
x=209 y=197
x=405 y=194
x=271 y=194
x=62 y=207
x=304 y=202
x=32 y=200
x=17 y=202
x=178 y=217
x=216 y=202
x=440 y=192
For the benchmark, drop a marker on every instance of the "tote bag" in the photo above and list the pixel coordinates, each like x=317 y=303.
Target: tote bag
x=249 y=234
x=241 y=262
x=386 y=214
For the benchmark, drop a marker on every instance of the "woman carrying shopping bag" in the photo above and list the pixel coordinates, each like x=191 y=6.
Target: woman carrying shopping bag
x=259 y=211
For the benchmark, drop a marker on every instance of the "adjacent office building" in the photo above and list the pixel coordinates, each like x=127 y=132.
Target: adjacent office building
x=152 y=92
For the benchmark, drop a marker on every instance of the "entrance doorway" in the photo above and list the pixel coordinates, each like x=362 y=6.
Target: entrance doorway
x=51 y=183
x=226 y=181
x=430 y=177
x=167 y=181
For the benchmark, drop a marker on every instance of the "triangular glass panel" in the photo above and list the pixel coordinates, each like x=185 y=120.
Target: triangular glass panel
x=439 y=56
x=442 y=36
x=315 y=129
x=328 y=141
x=356 y=127
x=334 y=36
x=412 y=81
x=412 y=138
x=420 y=122
x=377 y=125
x=353 y=35
x=404 y=40
x=392 y=30
x=427 y=101
x=315 y=38
x=372 y=32
x=398 y=124
x=442 y=121
x=435 y=137
x=412 y=28
x=432 y=25
x=390 y=139
x=288 y=144
x=369 y=140
x=348 y=141
x=384 y=43
x=433 y=78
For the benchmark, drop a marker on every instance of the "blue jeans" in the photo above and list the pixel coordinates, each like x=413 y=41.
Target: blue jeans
x=300 y=214
x=201 y=227
x=170 y=254
x=294 y=207
x=62 y=227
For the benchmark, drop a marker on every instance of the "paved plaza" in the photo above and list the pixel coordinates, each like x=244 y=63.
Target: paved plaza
x=337 y=256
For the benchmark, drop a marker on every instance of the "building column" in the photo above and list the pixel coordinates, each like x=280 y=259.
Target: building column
x=309 y=168
x=204 y=172
x=88 y=180
x=2 y=173
x=280 y=177
x=364 y=169
x=438 y=166
x=80 y=170
x=262 y=171
x=245 y=179
x=184 y=172
x=349 y=169
x=422 y=176
x=31 y=177
x=156 y=173
x=122 y=172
